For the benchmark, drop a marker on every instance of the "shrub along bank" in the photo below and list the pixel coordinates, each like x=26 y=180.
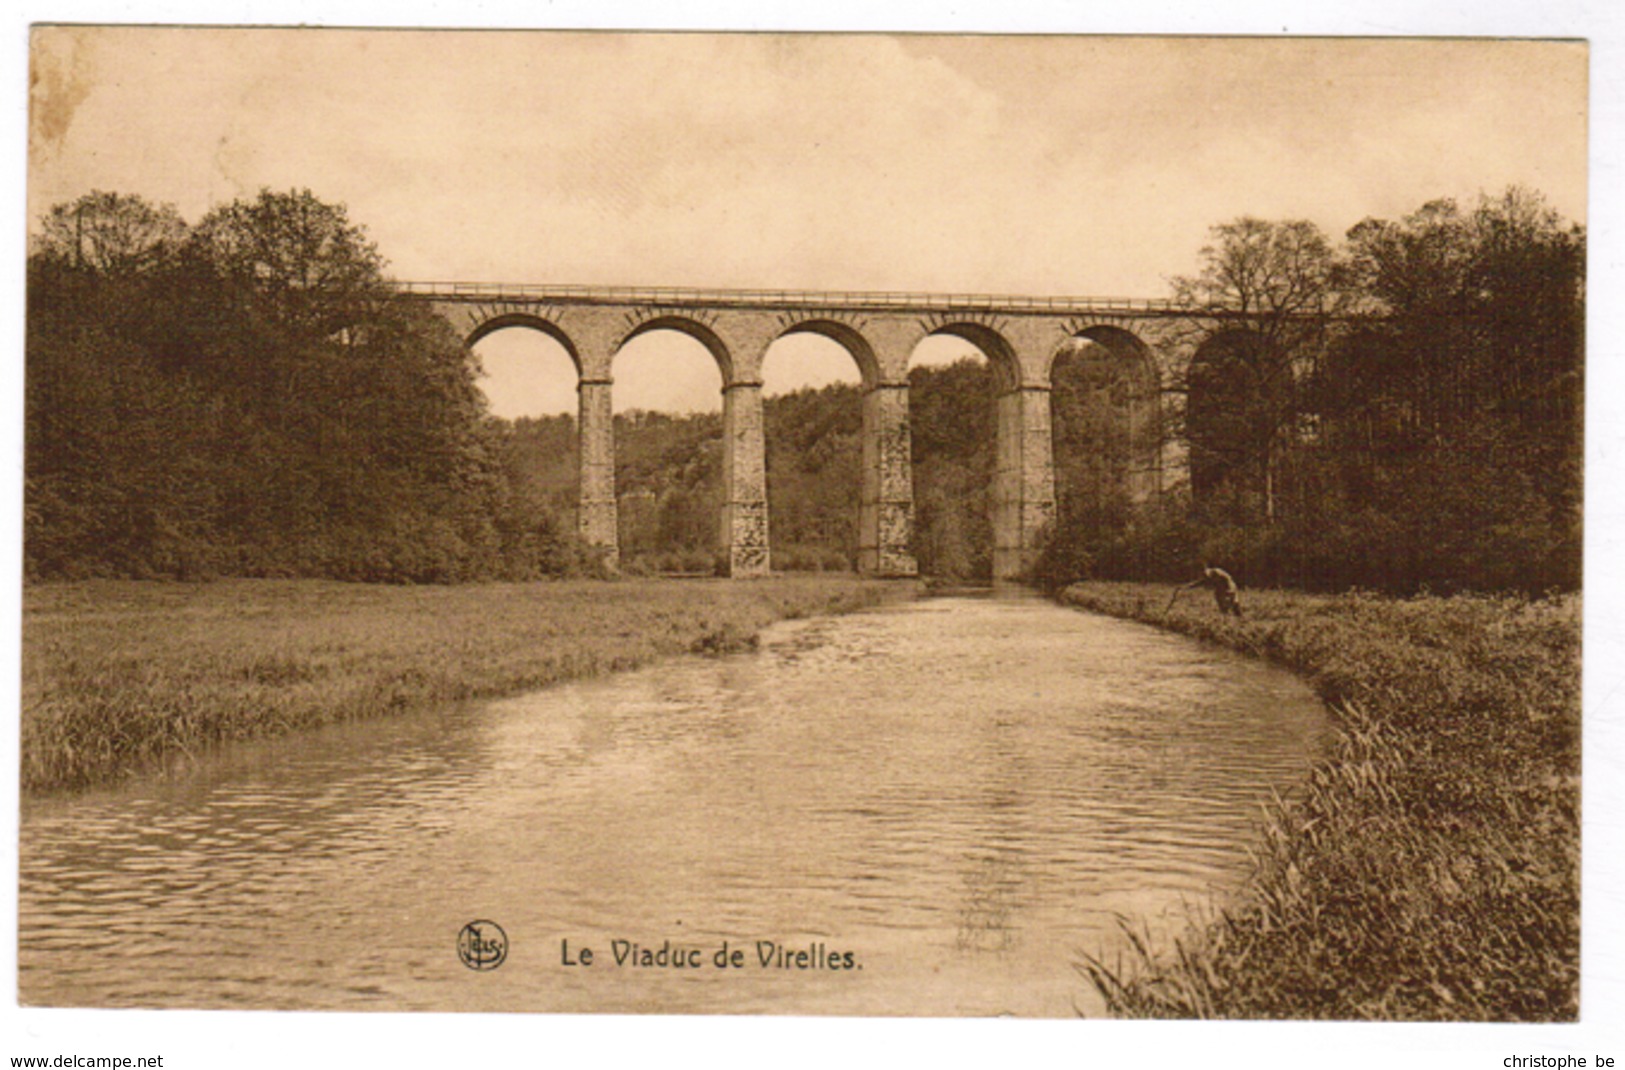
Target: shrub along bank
x=117 y=674
x=1429 y=869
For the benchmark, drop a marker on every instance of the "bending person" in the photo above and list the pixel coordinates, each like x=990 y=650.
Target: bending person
x=1226 y=595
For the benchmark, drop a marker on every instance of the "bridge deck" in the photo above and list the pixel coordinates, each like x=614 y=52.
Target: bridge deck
x=865 y=301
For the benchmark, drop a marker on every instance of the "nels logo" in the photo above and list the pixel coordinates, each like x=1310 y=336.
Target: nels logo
x=482 y=945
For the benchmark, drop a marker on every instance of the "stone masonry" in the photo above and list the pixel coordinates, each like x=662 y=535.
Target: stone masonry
x=1020 y=336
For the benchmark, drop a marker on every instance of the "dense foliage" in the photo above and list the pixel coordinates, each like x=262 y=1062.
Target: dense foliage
x=668 y=476
x=245 y=397
x=1403 y=412
x=951 y=425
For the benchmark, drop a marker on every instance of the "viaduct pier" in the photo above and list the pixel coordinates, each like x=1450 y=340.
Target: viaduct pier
x=1021 y=337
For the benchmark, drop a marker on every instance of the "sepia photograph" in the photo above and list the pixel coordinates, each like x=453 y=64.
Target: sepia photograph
x=802 y=526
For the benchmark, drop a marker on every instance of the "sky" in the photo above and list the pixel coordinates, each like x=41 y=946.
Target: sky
x=1014 y=164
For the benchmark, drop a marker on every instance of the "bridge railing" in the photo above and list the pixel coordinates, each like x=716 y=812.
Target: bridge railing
x=670 y=295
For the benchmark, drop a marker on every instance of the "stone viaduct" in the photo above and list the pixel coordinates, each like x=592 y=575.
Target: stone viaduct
x=1020 y=336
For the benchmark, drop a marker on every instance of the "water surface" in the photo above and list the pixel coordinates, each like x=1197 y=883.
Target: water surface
x=960 y=793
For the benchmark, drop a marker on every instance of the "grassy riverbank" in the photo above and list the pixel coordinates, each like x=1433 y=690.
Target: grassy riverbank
x=1429 y=869
x=118 y=674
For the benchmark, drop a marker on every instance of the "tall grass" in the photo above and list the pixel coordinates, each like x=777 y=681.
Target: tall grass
x=117 y=675
x=1429 y=869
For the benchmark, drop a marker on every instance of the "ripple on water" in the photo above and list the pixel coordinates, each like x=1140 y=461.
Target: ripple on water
x=962 y=792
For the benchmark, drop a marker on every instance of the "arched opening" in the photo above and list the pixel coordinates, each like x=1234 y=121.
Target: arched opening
x=1106 y=440
x=668 y=449
x=1238 y=400
x=955 y=376
x=528 y=366
x=812 y=389
x=528 y=372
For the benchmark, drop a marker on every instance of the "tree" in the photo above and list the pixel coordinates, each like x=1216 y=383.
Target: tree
x=246 y=397
x=1465 y=379
x=1094 y=444
x=1274 y=279
x=109 y=234
x=814 y=474
x=302 y=263
x=952 y=431
x=1259 y=310
x=1477 y=312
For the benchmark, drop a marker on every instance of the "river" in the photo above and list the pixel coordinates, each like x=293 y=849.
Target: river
x=926 y=809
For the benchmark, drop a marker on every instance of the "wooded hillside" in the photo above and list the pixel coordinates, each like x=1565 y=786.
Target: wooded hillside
x=245 y=396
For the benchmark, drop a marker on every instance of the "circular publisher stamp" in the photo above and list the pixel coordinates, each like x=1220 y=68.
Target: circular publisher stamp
x=482 y=945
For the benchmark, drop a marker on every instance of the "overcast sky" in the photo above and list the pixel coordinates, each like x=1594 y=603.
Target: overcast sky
x=1060 y=165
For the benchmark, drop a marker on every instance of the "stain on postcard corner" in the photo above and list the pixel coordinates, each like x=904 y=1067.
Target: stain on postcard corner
x=60 y=77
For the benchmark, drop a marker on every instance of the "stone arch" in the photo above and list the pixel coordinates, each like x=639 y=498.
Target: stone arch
x=743 y=541
x=695 y=329
x=848 y=337
x=595 y=445
x=1127 y=349
x=1001 y=355
x=882 y=459
x=530 y=321
x=1020 y=497
x=1106 y=420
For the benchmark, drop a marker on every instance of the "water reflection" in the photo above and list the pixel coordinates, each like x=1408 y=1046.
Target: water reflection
x=960 y=792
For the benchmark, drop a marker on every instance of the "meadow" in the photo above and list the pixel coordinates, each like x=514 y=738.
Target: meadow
x=121 y=675
x=1429 y=867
